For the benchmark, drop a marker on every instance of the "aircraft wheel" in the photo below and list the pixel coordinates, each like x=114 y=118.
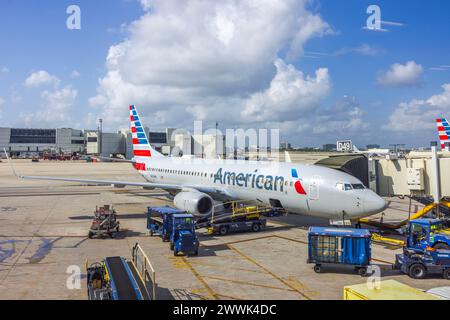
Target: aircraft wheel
x=447 y=274
x=417 y=271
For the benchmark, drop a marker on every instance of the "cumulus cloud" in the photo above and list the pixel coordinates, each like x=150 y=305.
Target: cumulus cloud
x=57 y=108
x=346 y=116
x=227 y=61
x=290 y=92
x=402 y=75
x=420 y=112
x=39 y=78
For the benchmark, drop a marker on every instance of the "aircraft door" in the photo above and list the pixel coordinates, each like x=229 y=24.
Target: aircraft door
x=314 y=188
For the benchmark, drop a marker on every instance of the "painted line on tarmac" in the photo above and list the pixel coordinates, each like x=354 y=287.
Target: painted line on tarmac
x=200 y=278
x=248 y=283
x=269 y=272
x=223 y=267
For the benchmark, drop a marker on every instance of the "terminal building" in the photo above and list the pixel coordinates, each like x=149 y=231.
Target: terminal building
x=29 y=142
x=19 y=141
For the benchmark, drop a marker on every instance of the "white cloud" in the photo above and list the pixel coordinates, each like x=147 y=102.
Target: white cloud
x=57 y=108
x=75 y=74
x=4 y=70
x=363 y=49
x=289 y=94
x=419 y=114
x=402 y=75
x=345 y=117
x=146 y=4
x=2 y=101
x=39 y=78
x=224 y=61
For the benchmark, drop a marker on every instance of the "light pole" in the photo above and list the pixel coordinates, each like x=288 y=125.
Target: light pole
x=100 y=136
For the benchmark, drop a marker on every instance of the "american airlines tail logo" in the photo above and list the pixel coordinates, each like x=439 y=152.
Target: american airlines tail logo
x=297 y=184
x=444 y=131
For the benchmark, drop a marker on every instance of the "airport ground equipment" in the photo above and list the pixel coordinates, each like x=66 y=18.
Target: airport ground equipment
x=386 y=290
x=105 y=222
x=274 y=212
x=145 y=268
x=426 y=233
x=159 y=220
x=417 y=266
x=343 y=246
x=115 y=278
x=241 y=223
x=183 y=238
x=238 y=216
x=419 y=214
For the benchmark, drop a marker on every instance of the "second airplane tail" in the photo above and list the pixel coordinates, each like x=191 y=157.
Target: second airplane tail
x=444 y=131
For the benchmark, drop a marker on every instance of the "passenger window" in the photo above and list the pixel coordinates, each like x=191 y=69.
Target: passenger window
x=291 y=184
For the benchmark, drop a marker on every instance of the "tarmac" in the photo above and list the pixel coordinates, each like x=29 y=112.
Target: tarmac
x=43 y=241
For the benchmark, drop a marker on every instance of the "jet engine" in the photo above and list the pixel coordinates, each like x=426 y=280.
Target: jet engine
x=196 y=203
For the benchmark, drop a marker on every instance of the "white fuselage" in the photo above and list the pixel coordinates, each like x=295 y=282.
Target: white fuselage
x=325 y=192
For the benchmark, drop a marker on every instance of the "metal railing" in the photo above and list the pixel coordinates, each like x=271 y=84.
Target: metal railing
x=145 y=269
x=239 y=209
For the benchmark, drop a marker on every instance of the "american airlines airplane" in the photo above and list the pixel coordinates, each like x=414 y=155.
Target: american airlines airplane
x=197 y=183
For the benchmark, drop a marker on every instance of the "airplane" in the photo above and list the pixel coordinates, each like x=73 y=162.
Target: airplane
x=444 y=131
x=196 y=184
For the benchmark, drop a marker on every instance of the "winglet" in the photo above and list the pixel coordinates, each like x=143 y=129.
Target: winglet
x=10 y=163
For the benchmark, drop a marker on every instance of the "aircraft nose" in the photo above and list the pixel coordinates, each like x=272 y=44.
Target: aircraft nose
x=374 y=204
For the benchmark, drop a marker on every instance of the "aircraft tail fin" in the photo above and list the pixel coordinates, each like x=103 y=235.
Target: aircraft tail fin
x=142 y=150
x=444 y=131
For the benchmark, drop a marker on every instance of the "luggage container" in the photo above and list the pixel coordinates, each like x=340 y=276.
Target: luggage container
x=339 y=246
x=159 y=221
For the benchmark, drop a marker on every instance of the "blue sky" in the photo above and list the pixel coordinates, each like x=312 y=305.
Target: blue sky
x=34 y=38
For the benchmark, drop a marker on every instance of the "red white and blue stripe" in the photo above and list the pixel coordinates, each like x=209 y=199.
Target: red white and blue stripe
x=141 y=146
x=444 y=131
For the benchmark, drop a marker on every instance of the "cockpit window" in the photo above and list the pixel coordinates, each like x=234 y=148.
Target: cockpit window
x=348 y=187
x=358 y=186
x=340 y=186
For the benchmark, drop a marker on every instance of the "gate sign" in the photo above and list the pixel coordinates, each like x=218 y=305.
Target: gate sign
x=346 y=145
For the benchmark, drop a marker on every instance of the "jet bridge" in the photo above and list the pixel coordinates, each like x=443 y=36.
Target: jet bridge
x=418 y=174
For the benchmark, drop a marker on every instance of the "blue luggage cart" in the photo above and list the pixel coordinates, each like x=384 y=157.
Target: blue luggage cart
x=339 y=246
x=159 y=220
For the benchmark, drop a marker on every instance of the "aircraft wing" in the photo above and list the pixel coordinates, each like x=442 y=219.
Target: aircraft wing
x=213 y=192
x=105 y=182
